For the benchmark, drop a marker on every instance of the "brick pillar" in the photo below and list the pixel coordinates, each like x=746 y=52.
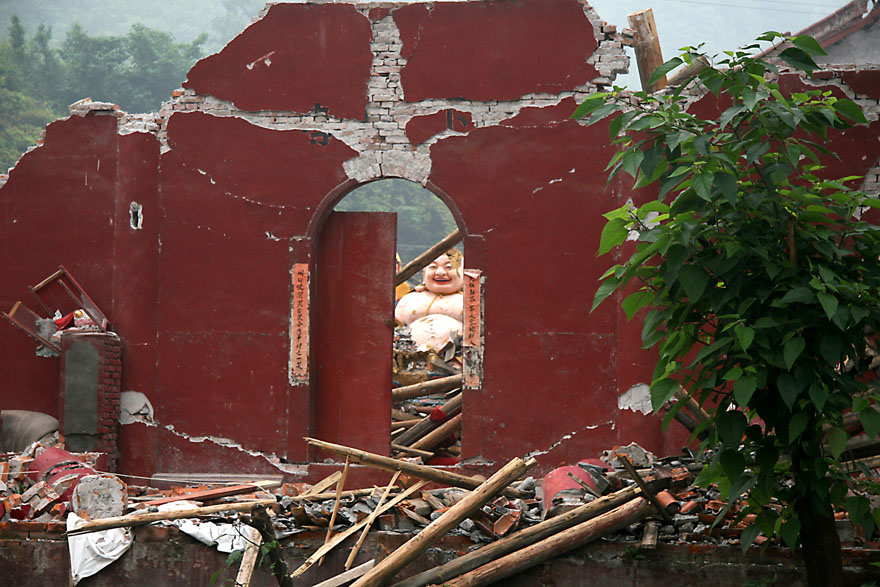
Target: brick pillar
x=91 y=379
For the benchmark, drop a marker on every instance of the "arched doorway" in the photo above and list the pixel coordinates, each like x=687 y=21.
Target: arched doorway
x=353 y=371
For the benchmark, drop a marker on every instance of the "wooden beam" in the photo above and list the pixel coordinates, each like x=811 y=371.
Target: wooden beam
x=441 y=385
x=322 y=485
x=520 y=539
x=422 y=472
x=343 y=578
x=647 y=47
x=339 y=538
x=450 y=408
x=555 y=545
x=217 y=493
x=449 y=520
x=436 y=436
x=370 y=520
x=249 y=558
x=140 y=519
x=423 y=260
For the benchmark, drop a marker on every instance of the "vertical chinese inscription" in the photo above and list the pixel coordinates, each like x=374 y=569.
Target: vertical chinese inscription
x=473 y=317
x=299 y=322
x=472 y=307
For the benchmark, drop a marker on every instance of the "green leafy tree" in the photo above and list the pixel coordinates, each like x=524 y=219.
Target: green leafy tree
x=759 y=284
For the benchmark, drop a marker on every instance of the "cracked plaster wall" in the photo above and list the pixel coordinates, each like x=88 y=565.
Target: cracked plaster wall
x=229 y=196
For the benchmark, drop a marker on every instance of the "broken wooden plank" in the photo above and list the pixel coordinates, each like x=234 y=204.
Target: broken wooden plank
x=343 y=578
x=249 y=558
x=647 y=48
x=420 y=471
x=650 y=535
x=519 y=539
x=441 y=385
x=423 y=260
x=323 y=484
x=323 y=496
x=339 y=487
x=627 y=464
x=370 y=519
x=337 y=539
x=412 y=451
x=553 y=546
x=217 y=493
x=438 y=434
x=140 y=519
x=446 y=522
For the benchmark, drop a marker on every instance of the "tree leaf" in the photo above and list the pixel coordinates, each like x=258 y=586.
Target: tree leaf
x=727 y=186
x=731 y=426
x=831 y=347
x=605 y=289
x=792 y=350
x=665 y=68
x=829 y=304
x=694 y=280
x=745 y=334
x=788 y=389
x=850 y=110
x=636 y=301
x=818 y=395
x=613 y=234
x=702 y=184
x=661 y=392
x=589 y=105
x=733 y=463
x=870 y=419
x=799 y=59
x=796 y=426
x=790 y=532
x=837 y=438
x=808 y=44
x=748 y=536
x=743 y=389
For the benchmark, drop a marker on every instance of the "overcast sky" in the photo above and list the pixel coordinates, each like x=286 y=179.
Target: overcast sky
x=720 y=24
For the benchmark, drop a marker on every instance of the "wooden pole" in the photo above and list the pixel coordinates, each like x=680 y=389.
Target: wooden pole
x=140 y=519
x=323 y=550
x=449 y=520
x=555 y=545
x=520 y=539
x=436 y=436
x=647 y=47
x=323 y=496
x=370 y=520
x=249 y=558
x=339 y=486
x=388 y=464
x=423 y=260
x=441 y=385
x=323 y=484
x=685 y=75
x=450 y=408
x=649 y=495
x=343 y=578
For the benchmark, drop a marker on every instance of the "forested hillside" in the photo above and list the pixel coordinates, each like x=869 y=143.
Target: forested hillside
x=40 y=75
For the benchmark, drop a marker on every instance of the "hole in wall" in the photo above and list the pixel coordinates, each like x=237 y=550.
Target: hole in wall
x=425 y=351
x=136 y=216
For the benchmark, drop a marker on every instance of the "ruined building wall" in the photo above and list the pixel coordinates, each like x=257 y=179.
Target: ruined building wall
x=235 y=175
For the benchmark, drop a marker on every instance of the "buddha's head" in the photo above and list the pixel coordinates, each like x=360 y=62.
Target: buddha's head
x=444 y=274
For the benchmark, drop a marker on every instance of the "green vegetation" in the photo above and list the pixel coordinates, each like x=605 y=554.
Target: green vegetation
x=422 y=218
x=38 y=80
x=761 y=287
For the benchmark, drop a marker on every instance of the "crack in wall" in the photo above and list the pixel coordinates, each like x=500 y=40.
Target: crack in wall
x=565 y=437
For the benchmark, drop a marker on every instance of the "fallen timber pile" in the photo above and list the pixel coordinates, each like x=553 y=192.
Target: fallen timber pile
x=513 y=522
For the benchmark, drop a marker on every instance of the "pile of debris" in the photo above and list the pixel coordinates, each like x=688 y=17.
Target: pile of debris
x=514 y=522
